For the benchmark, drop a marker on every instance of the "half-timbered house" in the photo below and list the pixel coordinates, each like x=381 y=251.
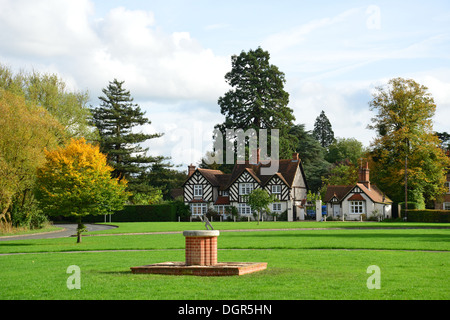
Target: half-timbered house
x=206 y=188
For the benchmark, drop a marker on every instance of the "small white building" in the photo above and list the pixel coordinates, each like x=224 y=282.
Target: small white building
x=353 y=201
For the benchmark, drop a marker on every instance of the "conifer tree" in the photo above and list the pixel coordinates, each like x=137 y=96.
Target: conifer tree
x=257 y=99
x=115 y=119
x=323 y=131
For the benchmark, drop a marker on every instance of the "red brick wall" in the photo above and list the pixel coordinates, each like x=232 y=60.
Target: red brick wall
x=201 y=251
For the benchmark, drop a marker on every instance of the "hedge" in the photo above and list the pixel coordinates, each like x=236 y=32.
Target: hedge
x=136 y=213
x=427 y=215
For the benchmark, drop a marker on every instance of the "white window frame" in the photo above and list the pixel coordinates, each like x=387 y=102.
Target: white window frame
x=356 y=207
x=245 y=188
x=447 y=185
x=276 y=207
x=244 y=209
x=198 y=191
x=221 y=208
x=198 y=209
x=446 y=206
x=276 y=188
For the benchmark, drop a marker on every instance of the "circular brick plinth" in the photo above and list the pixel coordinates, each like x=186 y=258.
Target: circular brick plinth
x=201 y=247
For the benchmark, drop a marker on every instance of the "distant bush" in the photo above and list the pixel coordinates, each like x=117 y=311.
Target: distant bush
x=427 y=215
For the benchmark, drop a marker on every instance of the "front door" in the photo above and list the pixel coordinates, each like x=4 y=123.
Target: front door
x=336 y=210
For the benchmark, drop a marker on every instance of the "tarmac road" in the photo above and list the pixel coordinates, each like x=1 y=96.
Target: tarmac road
x=68 y=231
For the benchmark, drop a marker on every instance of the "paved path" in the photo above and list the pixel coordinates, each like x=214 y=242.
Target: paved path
x=67 y=231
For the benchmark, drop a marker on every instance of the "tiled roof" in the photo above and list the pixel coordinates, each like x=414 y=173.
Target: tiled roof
x=356 y=197
x=286 y=171
x=222 y=200
x=340 y=192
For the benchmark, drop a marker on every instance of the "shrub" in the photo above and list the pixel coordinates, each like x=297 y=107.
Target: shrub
x=428 y=215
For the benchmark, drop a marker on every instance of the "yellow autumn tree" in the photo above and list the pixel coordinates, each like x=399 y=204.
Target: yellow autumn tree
x=25 y=130
x=76 y=181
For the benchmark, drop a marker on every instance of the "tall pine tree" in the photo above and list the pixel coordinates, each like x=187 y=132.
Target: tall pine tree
x=115 y=118
x=257 y=99
x=323 y=131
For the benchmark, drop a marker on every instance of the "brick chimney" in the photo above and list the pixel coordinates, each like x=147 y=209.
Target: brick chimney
x=191 y=170
x=295 y=156
x=363 y=175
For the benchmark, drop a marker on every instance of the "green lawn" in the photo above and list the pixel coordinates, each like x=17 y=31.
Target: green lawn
x=142 y=227
x=302 y=264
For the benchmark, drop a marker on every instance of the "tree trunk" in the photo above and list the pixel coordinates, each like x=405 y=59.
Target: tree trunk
x=81 y=228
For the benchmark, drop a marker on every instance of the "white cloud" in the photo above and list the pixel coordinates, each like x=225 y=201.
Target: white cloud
x=44 y=28
x=124 y=44
x=345 y=105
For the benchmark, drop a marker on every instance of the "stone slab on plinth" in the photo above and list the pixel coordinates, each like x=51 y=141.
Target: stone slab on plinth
x=201 y=259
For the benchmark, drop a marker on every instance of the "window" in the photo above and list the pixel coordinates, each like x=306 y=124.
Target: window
x=221 y=209
x=198 y=208
x=446 y=206
x=447 y=187
x=276 y=207
x=198 y=191
x=244 y=209
x=356 y=207
x=245 y=188
x=276 y=189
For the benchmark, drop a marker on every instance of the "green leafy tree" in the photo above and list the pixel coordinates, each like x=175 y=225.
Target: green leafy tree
x=259 y=201
x=323 y=130
x=341 y=174
x=50 y=92
x=406 y=154
x=115 y=118
x=345 y=149
x=257 y=99
x=26 y=130
x=76 y=181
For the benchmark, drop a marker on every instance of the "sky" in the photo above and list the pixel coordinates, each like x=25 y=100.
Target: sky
x=173 y=56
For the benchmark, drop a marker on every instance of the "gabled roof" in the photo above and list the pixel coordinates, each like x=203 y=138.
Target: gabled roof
x=341 y=192
x=374 y=193
x=213 y=176
x=337 y=191
x=286 y=171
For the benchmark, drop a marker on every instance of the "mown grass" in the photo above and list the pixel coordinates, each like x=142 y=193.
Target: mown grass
x=291 y=274
x=390 y=239
x=143 y=227
x=302 y=264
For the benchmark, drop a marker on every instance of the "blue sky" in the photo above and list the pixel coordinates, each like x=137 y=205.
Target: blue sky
x=173 y=56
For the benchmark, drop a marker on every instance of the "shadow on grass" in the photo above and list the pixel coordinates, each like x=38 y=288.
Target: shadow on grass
x=9 y=244
x=349 y=235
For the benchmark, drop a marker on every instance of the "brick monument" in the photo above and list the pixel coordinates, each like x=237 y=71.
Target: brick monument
x=201 y=259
